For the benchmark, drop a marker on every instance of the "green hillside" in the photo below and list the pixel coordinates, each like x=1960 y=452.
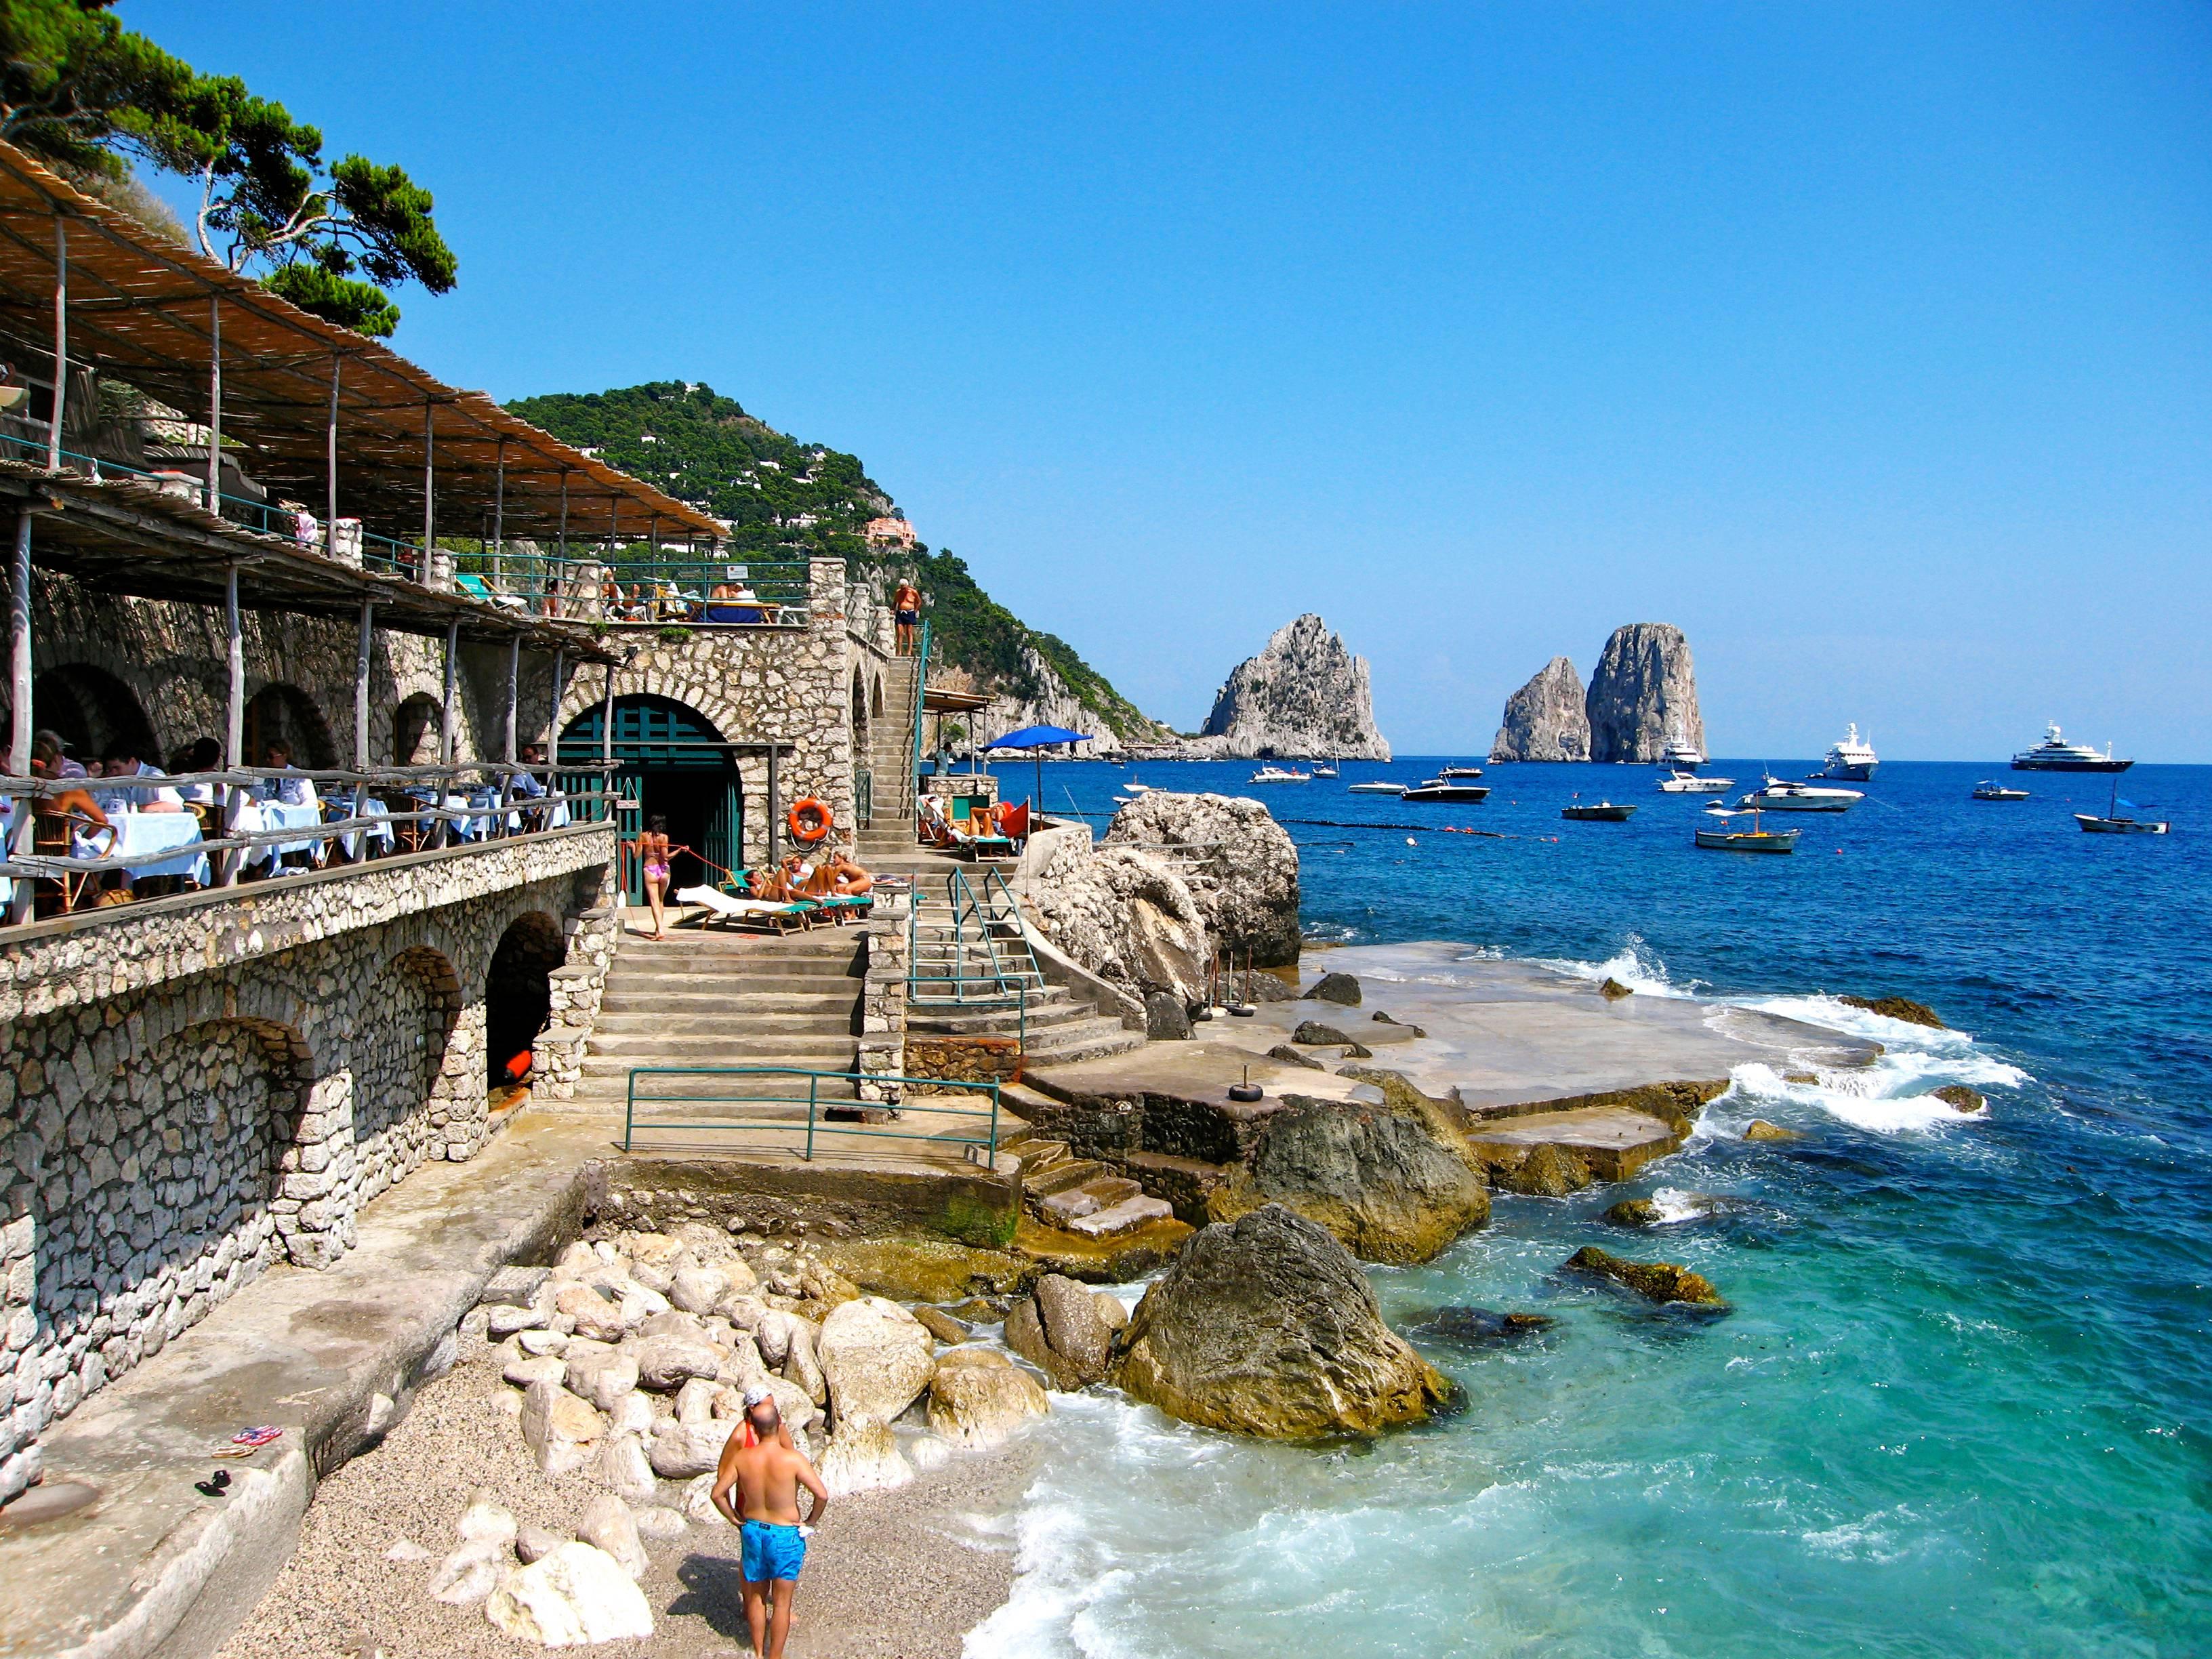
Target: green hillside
x=784 y=499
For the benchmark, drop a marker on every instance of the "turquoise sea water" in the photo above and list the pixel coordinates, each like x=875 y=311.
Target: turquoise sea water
x=1961 y=1405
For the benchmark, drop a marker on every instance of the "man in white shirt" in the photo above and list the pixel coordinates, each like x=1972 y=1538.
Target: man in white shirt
x=293 y=792
x=117 y=794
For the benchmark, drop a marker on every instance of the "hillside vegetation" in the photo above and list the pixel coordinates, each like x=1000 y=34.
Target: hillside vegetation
x=784 y=500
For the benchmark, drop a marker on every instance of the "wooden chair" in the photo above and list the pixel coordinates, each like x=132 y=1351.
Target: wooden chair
x=53 y=834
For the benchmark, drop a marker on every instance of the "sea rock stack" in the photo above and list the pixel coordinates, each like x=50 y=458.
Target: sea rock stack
x=1304 y=694
x=1546 y=719
x=1643 y=696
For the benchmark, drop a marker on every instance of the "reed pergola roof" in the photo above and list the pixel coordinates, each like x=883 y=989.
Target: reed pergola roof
x=141 y=310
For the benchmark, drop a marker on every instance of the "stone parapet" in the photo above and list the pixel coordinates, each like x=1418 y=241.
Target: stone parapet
x=883 y=996
x=72 y=960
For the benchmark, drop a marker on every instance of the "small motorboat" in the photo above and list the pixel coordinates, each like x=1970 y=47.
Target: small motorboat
x=1374 y=788
x=1453 y=783
x=1776 y=796
x=2113 y=822
x=1719 y=839
x=1324 y=769
x=2055 y=754
x=1273 y=773
x=1603 y=812
x=1987 y=790
x=1681 y=782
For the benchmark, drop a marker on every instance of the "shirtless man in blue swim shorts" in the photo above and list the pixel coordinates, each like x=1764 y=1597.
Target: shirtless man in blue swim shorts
x=766 y=1472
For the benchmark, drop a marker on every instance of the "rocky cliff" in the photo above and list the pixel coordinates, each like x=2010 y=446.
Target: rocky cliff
x=1304 y=694
x=1643 y=694
x=1545 y=720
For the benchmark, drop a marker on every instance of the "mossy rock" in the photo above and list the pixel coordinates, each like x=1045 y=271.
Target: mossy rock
x=1633 y=1212
x=928 y=1269
x=1959 y=1099
x=1114 y=1260
x=1759 y=1129
x=1285 y=1054
x=1656 y=1281
x=1613 y=990
x=1549 y=1171
x=1903 y=1008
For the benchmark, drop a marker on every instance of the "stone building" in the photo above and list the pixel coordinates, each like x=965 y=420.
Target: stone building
x=229 y=1029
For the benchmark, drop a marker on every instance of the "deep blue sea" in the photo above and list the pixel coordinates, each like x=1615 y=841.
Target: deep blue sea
x=1961 y=1404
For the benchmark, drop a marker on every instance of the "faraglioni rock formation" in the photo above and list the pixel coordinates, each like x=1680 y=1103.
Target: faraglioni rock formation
x=1266 y=1326
x=1304 y=694
x=1546 y=719
x=1643 y=696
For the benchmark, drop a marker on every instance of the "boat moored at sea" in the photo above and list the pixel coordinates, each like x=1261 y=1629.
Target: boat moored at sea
x=1989 y=790
x=1453 y=783
x=1679 y=781
x=2055 y=754
x=1601 y=812
x=1324 y=769
x=1272 y=774
x=1374 y=788
x=1776 y=796
x=1680 y=751
x=1852 y=757
x=2113 y=822
x=1719 y=839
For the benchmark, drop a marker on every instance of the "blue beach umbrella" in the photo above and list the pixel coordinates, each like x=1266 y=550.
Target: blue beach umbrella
x=1035 y=738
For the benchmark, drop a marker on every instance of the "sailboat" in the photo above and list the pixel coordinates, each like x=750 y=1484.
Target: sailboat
x=2113 y=824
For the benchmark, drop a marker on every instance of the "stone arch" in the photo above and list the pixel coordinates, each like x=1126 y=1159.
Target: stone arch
x=418 y=726
x=399 y=1067
x=280 y=712
x=174 y=1167
x=878 y=697
x=518 y=994
x=860 y=706
x=93 y=709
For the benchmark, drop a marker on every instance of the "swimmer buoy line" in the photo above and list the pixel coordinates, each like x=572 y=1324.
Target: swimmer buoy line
x=809 y=819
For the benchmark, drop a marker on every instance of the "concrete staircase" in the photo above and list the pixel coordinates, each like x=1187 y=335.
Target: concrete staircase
x=1079 y=1196
x=1056 y=1028
x=713 y=999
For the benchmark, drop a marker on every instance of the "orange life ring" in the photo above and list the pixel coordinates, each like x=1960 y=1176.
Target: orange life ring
x=809 y=819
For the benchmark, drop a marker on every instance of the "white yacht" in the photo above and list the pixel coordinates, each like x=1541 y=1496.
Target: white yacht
x=1776 y=796
x=1851 y=759
x=1680 y=782
x=2055 y=754
x=1375 y=788
x=1273 y=773
x=1324 y=769
x=1680 y=751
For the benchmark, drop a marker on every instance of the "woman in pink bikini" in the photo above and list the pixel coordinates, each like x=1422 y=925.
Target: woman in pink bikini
x=653 y=852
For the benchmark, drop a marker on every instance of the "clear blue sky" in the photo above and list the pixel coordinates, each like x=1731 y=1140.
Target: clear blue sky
x=1871 y=345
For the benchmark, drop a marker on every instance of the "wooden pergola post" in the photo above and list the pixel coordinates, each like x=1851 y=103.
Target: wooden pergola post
x=445 y=718
x=498 y=521
x=430 y=499
x=233 y=726
x=330 y=463
x=21 y=817
x=214 y=407
x=361 y=663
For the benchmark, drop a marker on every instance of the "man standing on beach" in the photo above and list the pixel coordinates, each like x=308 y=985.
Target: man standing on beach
x=767 y=1472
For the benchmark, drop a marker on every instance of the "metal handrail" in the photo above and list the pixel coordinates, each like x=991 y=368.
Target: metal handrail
x=914 y=756
x=988 y=1141
x=1005 y=991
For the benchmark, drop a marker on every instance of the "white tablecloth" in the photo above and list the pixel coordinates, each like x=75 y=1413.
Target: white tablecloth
x=379 y=832
x=254 y=816
x=140 y=836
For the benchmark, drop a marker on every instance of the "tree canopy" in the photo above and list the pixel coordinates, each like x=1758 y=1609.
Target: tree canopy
x=82 y=93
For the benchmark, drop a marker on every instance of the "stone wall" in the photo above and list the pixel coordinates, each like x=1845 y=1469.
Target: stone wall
x=955 y=1060
x=206 y=1086
x=883 y=995
x=754 y=684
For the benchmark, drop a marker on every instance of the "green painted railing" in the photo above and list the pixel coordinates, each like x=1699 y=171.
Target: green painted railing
x=801 y=1116
x=914 y=755
x=992 y=987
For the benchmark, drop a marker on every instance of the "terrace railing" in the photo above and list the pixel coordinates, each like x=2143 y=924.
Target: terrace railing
x=237 y=825
x=788 y=1109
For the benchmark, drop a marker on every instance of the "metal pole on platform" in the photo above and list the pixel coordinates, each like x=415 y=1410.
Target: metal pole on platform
x=331 y=464
x=445 y=718
x=561 y=567
x=215 y=406
x=513 y=678
x=61 y=344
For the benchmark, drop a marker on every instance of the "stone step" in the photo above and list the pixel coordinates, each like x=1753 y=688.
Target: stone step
x=1037 y=1155
x=946 y=1022
x=659 y=1048
x=745 y=998
x=1065 y=1175
x=830 y=1020
x=1088 y=1039
x=1064 y=1209
x=1125 y=1217
x=826 y=970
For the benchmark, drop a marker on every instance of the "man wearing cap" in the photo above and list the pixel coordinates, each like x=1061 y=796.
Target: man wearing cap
x=767 y=1471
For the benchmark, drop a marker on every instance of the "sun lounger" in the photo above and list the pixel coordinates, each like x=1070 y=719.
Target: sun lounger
x=477 y=589
x=841 y=907
x=769 y=912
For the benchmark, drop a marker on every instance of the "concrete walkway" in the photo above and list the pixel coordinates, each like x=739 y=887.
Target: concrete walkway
x=153 y=1566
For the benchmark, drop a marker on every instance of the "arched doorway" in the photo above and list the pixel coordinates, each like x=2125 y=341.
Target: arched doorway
x=675 y=765
x=518 y=994
x=92 y=709
x=859 y=710
x=278 y=713
x=417 y=727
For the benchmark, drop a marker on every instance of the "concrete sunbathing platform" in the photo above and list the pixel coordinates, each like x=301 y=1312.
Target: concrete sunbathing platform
x=154 y=1566
x=1533 y=1056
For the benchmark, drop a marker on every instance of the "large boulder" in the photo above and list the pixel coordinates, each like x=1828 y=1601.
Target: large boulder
x=978 y=1397
x=1266 y=1326
x=1166 y=1020
x=1126 y=915
x=606 y=1523
x=1656 y=1281
x=863 y=1456
x=1546 y=1171
x=928 y=1269
x=1342 y=989
x=622 y=1467
x=562 y=1429
x=1392 y=1182
x=1240 y=865
x=576 y=1597
x=1900 y=1008
x=600 y=1374
x=1065 y=1331
x=681 y=1450
x=1643 y=694
x=876 y=1359
x=666 y=1363
x=1546 y=719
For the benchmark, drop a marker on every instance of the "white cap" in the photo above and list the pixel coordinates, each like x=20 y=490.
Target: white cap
x=757 y=1393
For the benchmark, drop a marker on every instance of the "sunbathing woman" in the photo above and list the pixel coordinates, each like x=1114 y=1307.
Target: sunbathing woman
x=848 y=878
